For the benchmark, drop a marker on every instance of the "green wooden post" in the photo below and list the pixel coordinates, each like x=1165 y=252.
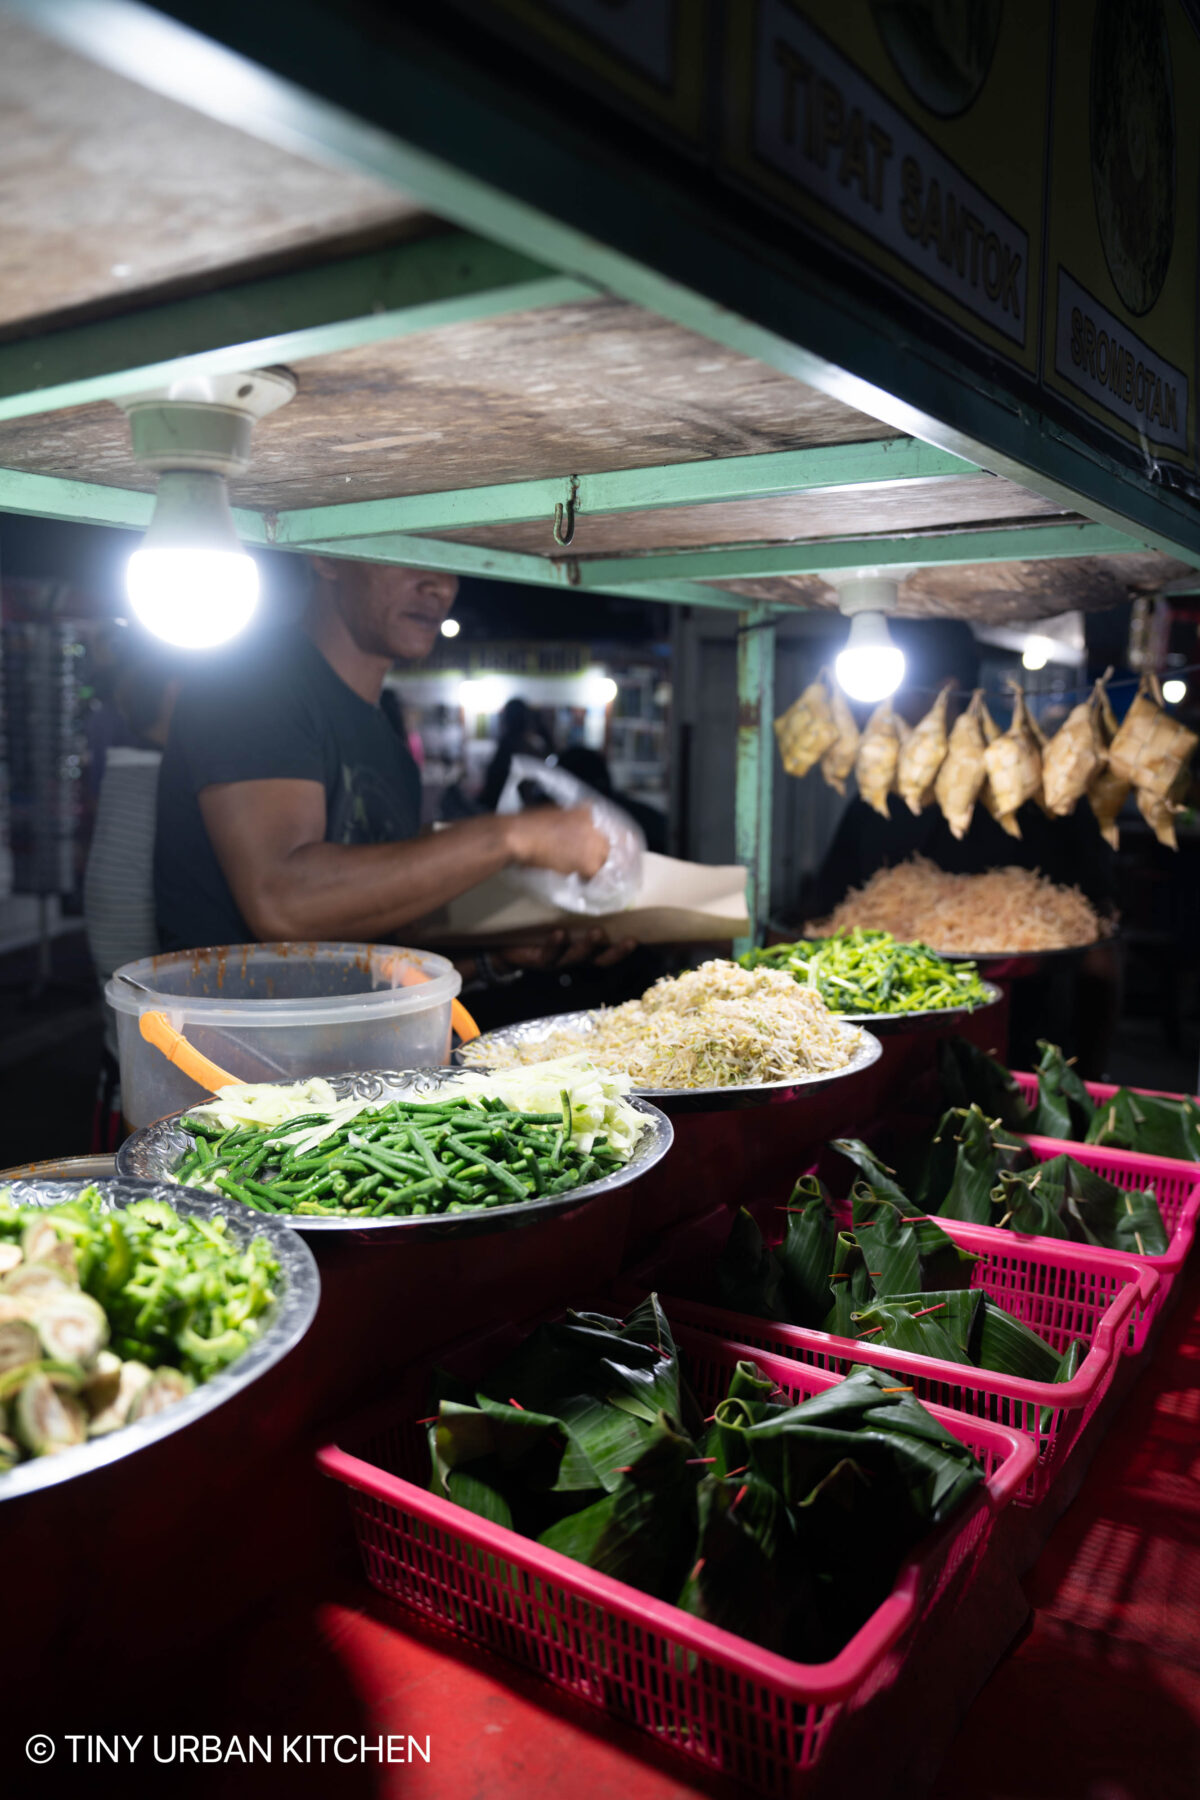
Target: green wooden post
x=755 y=765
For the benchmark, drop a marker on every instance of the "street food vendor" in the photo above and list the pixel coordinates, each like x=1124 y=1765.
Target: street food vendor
x=289 y=803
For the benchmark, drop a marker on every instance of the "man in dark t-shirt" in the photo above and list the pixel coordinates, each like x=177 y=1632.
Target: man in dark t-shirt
x=289 y=804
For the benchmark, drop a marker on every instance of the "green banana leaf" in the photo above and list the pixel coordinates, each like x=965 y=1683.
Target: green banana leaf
x=644 y=1532
x=1068 y=1369
x=942 y=1325
x=747 y=1576
x=850 y=1284
x=888 y=1241
x=1064 y=1108
x=943 y=1264
x=965 y=1328
x=1101 y=1213
x=749 y=1278
x=1030 y=1203
x=982 y=1150
x=879 y=1178
x=1150 y=1124
x=630 y=1364
x=805 y=1258
x=970 y=1077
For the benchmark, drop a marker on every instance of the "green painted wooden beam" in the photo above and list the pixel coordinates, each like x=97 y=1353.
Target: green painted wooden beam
x=845 y=466
x=756 y=562
x=755 y=766
x=89 y=503
x=420 y=285
x=508 y=565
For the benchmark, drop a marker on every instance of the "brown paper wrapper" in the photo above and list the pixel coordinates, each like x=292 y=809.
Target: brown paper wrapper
x=838 y=761
x=808 y=728
x=964 y=771
x=879 y=755
x=1107 y=791
x=1073 y=757
x=922 y=755
x=1150 y=748
x=1014 y=763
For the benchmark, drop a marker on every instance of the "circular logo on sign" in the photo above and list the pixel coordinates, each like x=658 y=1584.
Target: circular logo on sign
x=942 y=49
x=1132 y=118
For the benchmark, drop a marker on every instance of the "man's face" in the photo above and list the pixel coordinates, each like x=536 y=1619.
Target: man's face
x=394 y=612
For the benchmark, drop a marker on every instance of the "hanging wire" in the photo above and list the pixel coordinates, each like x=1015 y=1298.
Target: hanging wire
x=1058 y=698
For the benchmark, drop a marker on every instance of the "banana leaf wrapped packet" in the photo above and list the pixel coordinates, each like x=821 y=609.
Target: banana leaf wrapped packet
x=922 y=755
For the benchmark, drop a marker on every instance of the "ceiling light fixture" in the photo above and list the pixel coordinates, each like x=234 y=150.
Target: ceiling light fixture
x=871 y=666
x=1036 y=653
x=1174 y=691
x=450 y=627
x=191 y=582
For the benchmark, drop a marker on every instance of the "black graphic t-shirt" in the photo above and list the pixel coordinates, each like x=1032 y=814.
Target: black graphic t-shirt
x=277 y=711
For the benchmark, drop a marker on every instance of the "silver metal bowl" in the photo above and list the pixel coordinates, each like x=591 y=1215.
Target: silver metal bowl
x=280 y=1329
x=156 y=1151
x=675 y=1100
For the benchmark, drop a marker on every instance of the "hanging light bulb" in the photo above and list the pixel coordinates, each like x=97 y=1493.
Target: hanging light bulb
x=1036 y=653
x=871 y=666
x=191 y=582
x=1174 y=691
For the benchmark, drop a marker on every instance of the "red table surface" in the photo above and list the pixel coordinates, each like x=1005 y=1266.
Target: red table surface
x=1098 y=1700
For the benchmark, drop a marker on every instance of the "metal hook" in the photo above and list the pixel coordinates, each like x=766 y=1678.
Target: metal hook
x=566 y=512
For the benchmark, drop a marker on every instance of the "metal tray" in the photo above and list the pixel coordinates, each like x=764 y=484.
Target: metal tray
x=678 y=1100
x=1010 y=964
x=156 y=1150
x=892 y=1024
x=282 y=1331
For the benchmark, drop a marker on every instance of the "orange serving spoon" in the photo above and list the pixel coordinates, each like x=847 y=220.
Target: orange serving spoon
x=158 y=1030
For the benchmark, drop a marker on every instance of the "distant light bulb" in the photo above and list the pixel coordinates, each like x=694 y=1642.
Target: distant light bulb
x=870 y=667
x=450 y=627
x=605 y=690
x=486 y=694
x=1174 y=691
x=190 y=597
x=1036 y=653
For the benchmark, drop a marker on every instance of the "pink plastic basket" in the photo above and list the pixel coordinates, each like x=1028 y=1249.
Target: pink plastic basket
x=1062 y=1291
x=1179 y=1167
x=712 y=1695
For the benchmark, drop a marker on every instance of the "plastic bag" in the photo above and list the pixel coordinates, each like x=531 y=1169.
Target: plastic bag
x=614 y=886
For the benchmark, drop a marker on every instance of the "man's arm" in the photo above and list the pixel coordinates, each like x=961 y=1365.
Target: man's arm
x=269 y=838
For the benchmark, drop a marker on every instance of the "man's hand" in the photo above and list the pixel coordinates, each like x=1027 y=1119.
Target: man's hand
x=565 y=839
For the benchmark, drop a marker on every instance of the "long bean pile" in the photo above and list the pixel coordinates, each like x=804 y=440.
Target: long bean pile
x=864 y=971
x=405 y=1158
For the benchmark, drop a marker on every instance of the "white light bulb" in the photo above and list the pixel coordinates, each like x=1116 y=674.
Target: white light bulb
x=486 y=694
x=870 y=667
x=191 y=597
x=450 y=627
x=604 y=690
x=1174 y=691
x=1036 y=653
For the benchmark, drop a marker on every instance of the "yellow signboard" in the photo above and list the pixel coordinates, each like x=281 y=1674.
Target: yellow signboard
x=1121 y=274
x=912 y=136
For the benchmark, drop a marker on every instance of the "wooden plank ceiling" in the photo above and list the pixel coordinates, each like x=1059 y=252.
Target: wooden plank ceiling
x=108 y=191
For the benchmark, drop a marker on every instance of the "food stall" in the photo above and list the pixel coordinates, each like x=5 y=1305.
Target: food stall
x=723 y=306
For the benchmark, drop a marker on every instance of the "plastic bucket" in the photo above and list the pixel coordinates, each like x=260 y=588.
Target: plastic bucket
x=267 y=1012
